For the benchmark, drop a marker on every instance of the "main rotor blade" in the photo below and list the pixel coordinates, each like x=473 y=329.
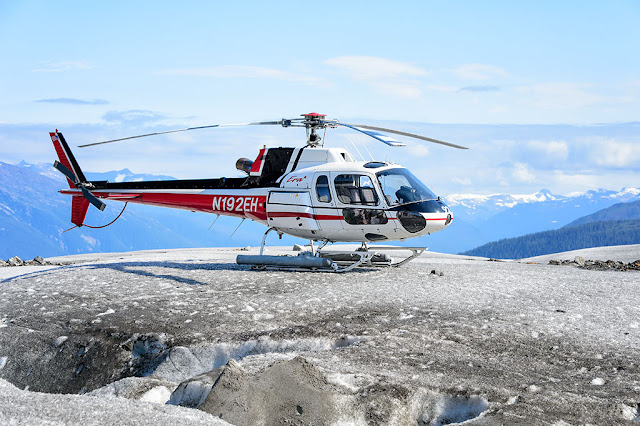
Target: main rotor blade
x=397 y=132
x=92 y=198
x=181 y=130
x=379 y=136
x=62 y=169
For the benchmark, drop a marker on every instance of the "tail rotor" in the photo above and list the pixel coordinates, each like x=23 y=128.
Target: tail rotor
x=69 y=167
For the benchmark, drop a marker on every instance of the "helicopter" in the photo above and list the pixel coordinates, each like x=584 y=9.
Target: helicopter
x=320 y=194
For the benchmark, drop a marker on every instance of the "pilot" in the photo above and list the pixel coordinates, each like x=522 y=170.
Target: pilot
x=406 y=194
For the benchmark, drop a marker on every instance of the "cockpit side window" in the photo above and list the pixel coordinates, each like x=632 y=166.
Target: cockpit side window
x=355 y=189
x=322 y=189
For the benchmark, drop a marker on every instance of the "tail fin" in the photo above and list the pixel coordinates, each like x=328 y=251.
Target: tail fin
x=66 y=157
x=79 y=207
x=75 y=178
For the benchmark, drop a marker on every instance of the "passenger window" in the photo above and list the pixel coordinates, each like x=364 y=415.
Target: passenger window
x=322 y=189
x=355 y=189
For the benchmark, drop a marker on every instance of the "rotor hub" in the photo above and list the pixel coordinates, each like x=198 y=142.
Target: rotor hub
x=313 y=121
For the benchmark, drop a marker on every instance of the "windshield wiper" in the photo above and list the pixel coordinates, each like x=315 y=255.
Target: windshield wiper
x=413 y=202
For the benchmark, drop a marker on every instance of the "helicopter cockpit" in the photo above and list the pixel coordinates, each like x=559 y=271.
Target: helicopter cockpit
x=404 y=192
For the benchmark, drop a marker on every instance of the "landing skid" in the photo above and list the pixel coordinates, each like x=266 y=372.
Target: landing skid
x=316 y=260
x=378 y=257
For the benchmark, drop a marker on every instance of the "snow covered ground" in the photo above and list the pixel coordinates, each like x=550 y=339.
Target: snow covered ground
x=629 y=253
x=127 y=337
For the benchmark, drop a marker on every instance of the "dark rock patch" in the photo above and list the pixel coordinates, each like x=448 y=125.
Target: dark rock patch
x=598 y=265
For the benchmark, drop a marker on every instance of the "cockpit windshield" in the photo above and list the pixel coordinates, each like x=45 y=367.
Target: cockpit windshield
x=400 y=186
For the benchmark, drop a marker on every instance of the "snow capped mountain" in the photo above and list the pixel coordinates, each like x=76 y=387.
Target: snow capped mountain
x=33 y=217
x=473 y=207
x=43 y=169
x=125 y=175
x=480 y=219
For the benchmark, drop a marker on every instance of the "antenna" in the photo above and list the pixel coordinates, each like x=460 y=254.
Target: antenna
x=357 y=150
x=241 y=222
x=367 y=149
x=214 y=222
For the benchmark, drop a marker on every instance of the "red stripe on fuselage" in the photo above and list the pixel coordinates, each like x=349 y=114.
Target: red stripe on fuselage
x=249 y=206
x=290 y=214
x=328 y=217
x=307 y=215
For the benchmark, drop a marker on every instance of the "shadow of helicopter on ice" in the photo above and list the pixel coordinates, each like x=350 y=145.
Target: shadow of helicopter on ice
x=140 y=268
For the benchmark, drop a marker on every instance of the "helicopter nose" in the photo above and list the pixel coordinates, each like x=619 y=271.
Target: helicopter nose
x=446 y=209
x=412 y=221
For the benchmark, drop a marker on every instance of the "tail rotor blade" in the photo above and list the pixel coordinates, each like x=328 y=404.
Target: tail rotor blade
x=92 y=199
x=62 y=169
x=87 y=194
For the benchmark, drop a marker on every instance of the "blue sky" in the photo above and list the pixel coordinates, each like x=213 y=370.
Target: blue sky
x=99 y=70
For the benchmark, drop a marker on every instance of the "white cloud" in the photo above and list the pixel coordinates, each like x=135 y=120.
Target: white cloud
x=63 y=66
x=479 y=72
x=462 y=181
x=133 y=116
x=559 y=150
x=384 y=75
x=633 y=84
x=242 y=71
x=616 y=154
x=400 y=89
x=443 y=88
x=521 y=173
x=373 y=67
x=555 y=95
x=418 y=150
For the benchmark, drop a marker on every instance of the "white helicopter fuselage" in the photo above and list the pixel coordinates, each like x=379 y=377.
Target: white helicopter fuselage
x=326 y=208
x=314 y=193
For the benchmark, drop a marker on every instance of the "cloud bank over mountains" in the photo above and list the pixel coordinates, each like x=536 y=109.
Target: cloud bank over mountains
x=501 y=158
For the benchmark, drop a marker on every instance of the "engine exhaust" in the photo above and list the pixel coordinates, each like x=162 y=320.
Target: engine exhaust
x=244 y=165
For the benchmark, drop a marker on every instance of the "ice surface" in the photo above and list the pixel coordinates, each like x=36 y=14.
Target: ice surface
x=628 y=253
x=182 y=363
x=496 y=340
x=20 y=407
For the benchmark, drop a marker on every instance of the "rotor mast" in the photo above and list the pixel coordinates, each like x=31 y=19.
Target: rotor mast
x=312 y=122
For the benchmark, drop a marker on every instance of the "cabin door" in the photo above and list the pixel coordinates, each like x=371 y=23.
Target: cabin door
x=291 y=210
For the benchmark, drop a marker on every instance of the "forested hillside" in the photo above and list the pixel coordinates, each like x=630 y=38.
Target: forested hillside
x=620 y=211
x=592 y=234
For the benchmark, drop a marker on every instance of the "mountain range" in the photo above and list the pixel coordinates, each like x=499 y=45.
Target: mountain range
x=480 y=219
x=616 y=225
x=34 y=216
x=34 y=219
